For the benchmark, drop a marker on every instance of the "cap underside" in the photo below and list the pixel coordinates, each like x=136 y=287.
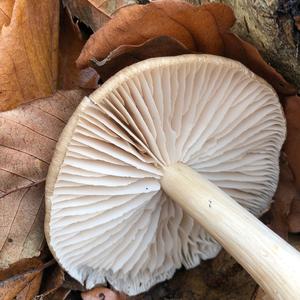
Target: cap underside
x=107 y=217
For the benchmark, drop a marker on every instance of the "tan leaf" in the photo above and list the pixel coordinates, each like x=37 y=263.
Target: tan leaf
x=27 y=140
x=6 y=7
x=202 y=29
x=102 y=293
x=21 y=280
x=71 y=43
x=126 y=55
x=31 y=289
x=94 y=13
x=28 y=51
x=193 y=26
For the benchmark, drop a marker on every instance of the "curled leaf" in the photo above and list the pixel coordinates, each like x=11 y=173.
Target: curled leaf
x=193 y=26
x=202 y=29
x=126 y=55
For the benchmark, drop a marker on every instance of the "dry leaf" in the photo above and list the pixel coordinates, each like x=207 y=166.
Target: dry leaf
x=72 y=284
x=292 y=149
x=53 y=279
x=6 y=7
x=94 y=13
x=294 y=217
x=126 y=55
x=102 y=293
x=292 y=144
x=22 y=280
x=28 y=51
x=199 y=28
x=285 y=210
x=283 y=199
x=28 y=137
x=237 y=49
x=60 y=294
x=192 y=26
x=71 y=43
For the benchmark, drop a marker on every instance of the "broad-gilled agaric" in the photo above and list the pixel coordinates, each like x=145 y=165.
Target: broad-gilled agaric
x=123 y=203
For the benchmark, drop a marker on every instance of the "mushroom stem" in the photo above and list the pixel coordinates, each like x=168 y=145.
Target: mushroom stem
x=272 y=262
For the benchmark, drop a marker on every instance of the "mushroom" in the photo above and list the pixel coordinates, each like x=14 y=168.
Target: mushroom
x=159 y=166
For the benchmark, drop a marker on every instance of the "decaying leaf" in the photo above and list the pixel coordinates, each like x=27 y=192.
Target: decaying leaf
x=126 y=55
x=102 y=293
x=292 y=149
x=199 y=28
x=72 y=284
x=94 y=13
x=59 y=294
x=28 y=136
x=54 y=278
x=292 y=144
x=285 y=210
x=28 y=50
x=192 y=26
x=21 y=280
x=71 y=42
x=283 y=199
x=294 y=217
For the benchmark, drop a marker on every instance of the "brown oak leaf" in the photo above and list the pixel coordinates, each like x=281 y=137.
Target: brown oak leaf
x=21 y=281
x=204 y=29
x=28 y=135
x=126 y=55
x=28 y=50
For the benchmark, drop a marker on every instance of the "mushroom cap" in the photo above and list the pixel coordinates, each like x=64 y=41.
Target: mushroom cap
x=107 y=218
